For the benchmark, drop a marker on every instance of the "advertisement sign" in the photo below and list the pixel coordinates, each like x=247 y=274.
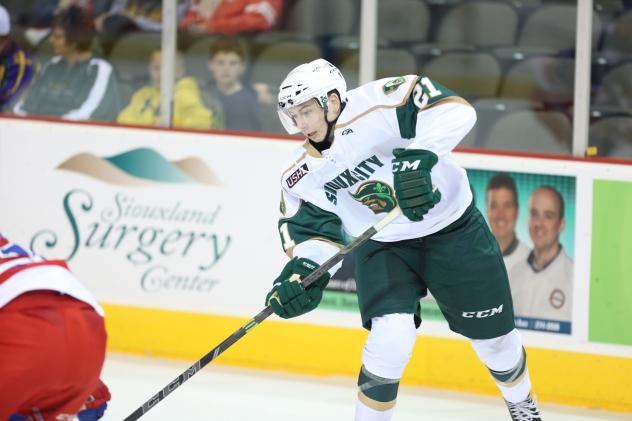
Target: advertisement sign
x=145 y=220
x=532 y=217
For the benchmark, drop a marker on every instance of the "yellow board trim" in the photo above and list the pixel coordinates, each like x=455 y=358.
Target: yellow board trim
x=570 y=378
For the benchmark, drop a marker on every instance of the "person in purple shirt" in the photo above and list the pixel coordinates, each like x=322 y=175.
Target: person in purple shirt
x=16 y=66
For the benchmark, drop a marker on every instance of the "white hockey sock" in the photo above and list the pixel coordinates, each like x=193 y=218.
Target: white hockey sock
x=517 y=391
x=506 y=360
x=365 y=413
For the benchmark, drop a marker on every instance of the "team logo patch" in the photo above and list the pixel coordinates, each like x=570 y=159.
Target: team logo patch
x=296 y=175
x=376 y=195
x=392 y=85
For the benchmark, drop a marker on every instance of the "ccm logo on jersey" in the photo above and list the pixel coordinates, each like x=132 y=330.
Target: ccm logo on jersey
x=296 y=175
x=483 y=313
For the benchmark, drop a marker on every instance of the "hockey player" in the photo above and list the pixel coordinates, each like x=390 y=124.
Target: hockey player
x=52 y=341
x=384 y=144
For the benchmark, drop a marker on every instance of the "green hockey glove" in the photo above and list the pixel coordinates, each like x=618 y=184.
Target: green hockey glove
x=288 y=298
x=412 y=182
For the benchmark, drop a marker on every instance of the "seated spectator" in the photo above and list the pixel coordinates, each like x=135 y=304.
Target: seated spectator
x=189 y=110
x=16 y=66
x=74 y=84
x=240 y=102
x=127 y=16
x=231 y=16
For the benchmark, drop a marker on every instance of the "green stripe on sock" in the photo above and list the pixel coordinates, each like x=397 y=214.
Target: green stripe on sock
x=512 y=374
x=377 y=388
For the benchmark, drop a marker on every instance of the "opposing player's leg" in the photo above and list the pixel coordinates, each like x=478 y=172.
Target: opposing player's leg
x=15 y=360
x=96 y=404
x=384 y=358
x=57 y=348
x=465 y=273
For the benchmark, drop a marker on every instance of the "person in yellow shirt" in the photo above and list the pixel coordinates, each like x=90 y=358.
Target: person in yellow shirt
x=189 y=111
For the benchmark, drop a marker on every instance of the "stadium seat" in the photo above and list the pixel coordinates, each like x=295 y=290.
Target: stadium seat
x=541 y=79
x=548 y=30
x=131 y=53
x=471 y=75
x=403 y=21
x=390 y=62
x=322 y=18
x=612 y=136
x=274 y=62
x=554 y=27
x=608 y=6
x=490 y=110
x=531 y=131
x=617 y=42
x=443 y=2
x=426 y=52
x=615 y=89
x=481 y=24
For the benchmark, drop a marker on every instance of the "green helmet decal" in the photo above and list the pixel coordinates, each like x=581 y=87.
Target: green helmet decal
x=376 y=195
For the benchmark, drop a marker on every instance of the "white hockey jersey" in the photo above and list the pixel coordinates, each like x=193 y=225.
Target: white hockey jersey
x=21 y=271
x=350 y=186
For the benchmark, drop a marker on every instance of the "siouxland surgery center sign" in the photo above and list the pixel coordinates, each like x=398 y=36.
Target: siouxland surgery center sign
x=148 y=218
x=143 y=234
x=149 y=232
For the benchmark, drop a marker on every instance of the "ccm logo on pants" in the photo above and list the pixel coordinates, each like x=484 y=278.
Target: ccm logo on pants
x=483 y=313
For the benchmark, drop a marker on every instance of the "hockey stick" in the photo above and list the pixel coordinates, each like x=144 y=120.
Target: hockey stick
x=241 y=332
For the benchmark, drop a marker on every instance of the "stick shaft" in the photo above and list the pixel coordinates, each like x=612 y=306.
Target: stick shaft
x=260 y=317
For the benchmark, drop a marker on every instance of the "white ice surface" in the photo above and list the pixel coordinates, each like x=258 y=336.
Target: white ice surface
x=221 y=393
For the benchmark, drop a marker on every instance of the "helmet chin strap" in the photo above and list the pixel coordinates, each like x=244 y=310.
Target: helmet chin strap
x=326 y=142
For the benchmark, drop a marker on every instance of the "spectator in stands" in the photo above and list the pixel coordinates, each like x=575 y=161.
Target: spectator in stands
x=543 y=283
x=189 y=110
x=16 y=66
x=73 y=85
x=127 y=16
x=502 y=214
x=240 y=102
x=231 y=17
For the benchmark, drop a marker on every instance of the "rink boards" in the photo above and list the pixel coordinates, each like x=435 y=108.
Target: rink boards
x=175 y=234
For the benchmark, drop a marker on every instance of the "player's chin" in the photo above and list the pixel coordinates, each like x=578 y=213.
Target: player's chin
x=315 y=137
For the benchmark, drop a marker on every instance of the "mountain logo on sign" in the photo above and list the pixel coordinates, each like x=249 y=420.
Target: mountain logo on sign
x=141 y=167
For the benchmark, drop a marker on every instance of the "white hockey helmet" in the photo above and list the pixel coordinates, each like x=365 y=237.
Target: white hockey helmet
x=310 y=80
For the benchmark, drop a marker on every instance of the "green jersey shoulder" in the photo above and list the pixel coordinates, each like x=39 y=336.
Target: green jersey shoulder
x=425 y=94
x=407 y=94
x=378 y=95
